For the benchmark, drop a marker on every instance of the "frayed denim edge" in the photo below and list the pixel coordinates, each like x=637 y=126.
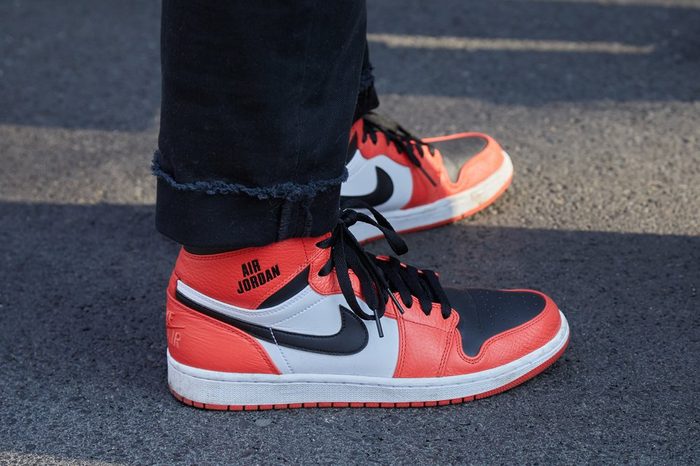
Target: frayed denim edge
x=288 y=190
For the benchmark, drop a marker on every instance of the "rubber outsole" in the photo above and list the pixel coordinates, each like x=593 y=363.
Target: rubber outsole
x=415 y=404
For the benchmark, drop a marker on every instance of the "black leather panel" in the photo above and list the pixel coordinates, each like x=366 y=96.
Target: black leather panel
x=457 y=152
x=350 y=339
x=381 y=194
x=485 y=313
x=292 y=288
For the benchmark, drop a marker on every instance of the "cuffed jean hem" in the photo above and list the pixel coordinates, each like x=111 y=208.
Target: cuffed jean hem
x=222 y=216
x=231 y=221
x=286 y=190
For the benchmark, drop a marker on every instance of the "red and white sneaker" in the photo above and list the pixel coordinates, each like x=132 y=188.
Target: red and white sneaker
x=319 y=322
x=421 y=183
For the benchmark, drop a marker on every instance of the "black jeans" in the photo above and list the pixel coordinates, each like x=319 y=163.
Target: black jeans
x=257 y=103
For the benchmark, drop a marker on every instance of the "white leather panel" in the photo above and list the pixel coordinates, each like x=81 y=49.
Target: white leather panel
x=362 y=180
x=311 y=313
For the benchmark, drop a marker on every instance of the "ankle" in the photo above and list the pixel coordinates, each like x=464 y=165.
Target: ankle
x=244 y=277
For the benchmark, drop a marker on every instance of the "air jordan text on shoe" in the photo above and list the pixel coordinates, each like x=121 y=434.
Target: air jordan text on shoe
x=319 y=322
x=418 y=184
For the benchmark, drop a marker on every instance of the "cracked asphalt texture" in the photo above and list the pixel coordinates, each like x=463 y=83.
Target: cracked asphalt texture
x=603 y=215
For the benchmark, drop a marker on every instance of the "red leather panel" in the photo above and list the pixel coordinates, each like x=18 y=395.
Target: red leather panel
x=507 y=346
x=475 y=170
x=246 y=277
x=200 y=341
x=370 y=149
x=423 y=341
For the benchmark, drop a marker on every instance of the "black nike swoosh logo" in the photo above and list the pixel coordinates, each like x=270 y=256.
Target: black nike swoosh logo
x=350 y=339
x=382 y=192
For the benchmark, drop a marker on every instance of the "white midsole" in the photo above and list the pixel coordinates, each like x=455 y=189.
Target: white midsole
x=443 y=209
x=226 y=388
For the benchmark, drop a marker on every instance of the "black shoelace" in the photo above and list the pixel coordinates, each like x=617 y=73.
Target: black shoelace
x=403 y=140
x=379 y=277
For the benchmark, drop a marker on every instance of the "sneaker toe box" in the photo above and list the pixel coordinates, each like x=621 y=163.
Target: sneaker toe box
x=471 y=155
x=499 y=326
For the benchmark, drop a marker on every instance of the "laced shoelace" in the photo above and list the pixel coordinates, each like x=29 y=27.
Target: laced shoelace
x=379 y=277
x=405 y=142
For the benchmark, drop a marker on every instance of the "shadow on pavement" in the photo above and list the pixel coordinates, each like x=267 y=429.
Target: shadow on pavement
x=95 y=64
x=82 y=350
x=80 y=64
x=534 y=78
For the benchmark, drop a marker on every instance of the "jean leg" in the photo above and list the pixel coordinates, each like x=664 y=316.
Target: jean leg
x=257 y=102
x=367 y=99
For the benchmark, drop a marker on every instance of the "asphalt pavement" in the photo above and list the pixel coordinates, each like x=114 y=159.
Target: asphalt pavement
x=598 y=103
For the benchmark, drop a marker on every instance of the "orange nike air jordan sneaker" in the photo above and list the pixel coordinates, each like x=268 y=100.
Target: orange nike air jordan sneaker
x=319 y=322
x=422 y=183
